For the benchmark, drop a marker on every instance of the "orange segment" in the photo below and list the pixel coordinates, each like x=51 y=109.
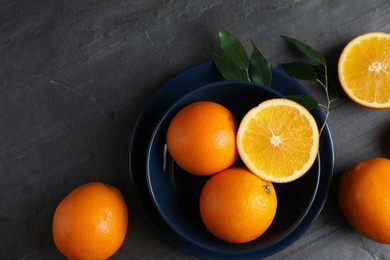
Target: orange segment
x=278 y=140
x=364 y=70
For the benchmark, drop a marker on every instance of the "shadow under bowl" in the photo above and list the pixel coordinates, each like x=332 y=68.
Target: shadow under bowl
x=176 y=192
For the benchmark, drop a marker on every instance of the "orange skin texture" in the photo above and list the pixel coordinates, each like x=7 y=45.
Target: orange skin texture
x=364 y=198
x=237 y=206
x=201 y=138
x=90 y=222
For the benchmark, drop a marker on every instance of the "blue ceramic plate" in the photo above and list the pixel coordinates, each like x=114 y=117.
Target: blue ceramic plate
x=185 y=82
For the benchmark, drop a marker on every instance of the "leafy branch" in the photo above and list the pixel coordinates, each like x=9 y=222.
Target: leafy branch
x=305 y=71
x=235 y=64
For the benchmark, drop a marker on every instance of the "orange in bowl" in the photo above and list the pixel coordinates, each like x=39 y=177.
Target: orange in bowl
x=278 y=140
x=201 y=138
x=237 y=206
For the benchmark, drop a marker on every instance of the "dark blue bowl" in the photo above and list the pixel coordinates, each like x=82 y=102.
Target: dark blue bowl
x=175 y=192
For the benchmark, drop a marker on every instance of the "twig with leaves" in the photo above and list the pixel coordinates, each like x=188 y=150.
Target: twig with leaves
x=236 y=65
x=305 y=71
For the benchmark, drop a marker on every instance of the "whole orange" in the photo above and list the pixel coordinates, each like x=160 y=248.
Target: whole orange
x=364 y=198
x=90 y=222
x=201 y=138
x=237 y=206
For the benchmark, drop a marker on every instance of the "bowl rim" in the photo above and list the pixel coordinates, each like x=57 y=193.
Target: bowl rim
x=169 y=113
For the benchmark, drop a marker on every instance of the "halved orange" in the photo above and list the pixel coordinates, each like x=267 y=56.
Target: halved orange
x=364 y=70
x=278 y=140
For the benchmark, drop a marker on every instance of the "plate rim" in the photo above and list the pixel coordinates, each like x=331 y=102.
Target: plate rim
x=157 y=220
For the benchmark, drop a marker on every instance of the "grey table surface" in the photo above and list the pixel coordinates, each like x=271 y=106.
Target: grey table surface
x=75 y=75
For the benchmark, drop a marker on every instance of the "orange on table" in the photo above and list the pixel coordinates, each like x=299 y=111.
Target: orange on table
x=237 y=206
x=90 y=222
x=278 y=140
x=364 y=70
x=364 y=197
x=201 y=138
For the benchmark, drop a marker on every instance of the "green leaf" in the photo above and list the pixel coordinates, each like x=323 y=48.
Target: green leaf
x=228 y=69
x=260 y=69
x=300 y=70
x=307 y=50
x=306 y=101
x=232 y=48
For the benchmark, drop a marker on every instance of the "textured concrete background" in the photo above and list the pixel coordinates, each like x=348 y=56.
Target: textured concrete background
x=75 y=75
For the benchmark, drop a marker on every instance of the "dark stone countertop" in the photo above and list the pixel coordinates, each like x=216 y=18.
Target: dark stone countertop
x=75 y=75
